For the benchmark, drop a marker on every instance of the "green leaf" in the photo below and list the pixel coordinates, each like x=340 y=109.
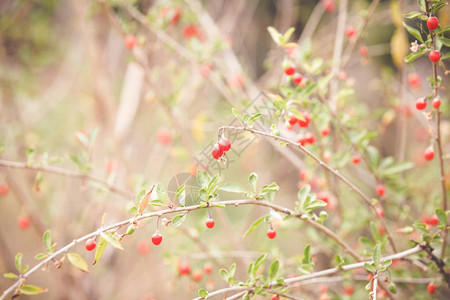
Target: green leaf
x=413 y=56
x=406 y=230
x=41 y=256
x=444 y=41
x=233 y=188
x=254 y=225
x=133 y=210
x=236 y=113
x=442 y=216
x=370 y=267
x=374 y=231
x=386 y=263
x=202 y=178
x=258 y=262
x=287 y=35
x=231 y=273
x=162 y=194
x=78 y=262
x=422 y=5
x=414 y=32
x=254 y=118
x=110 y=239
x=413 y=15
x=273 y=270
x=392 y=288
x=10 y=275
x=273 y=187
x=31 y=290
x=140 y=195
x=180 y=190
x=253 y=180
x=144 y=200
x=438 y=6
x=203 y=293
x=420 y=227
x=276 y=36
x=18 y=262
x=47 y=239
x=307 y=259
x=377 y=255
x=155 y=202
x=178 y=220
x=397 y=168
x=99 y=250
x=224 y=274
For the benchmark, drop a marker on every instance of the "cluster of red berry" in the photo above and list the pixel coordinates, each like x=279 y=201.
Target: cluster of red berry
x=221 y=147
x=184 y=269
x=289 y=70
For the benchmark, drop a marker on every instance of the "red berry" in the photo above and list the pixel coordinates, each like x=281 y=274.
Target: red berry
x=191 y=31
x=297 y=78
x=274 y=297
x=363 y=51
x=143 y=247
x=303 y=175
x=432 y=23
x=271 y=233
x=292 y=119
x=310 y=139
x=323 y=197
x=216 y=152
x=323 y=289
x=381 y=212
x=210 y=222
x=156 y=238
x=436 y=102
x=381 y=190
x=184 y=268
x=433 y=220
x=164 y=137
x=349 y=290
x=130 y=41
x=325 y=131
x=302 y=141
x=414 y=80
x=207 y=268
x=4 y=189
x=356 y=159
x=23 y=222
x=224 y=144
x=431 y=288
x=197 y=275
x=328 y=5
x=421 y=104
x=289 y=69
x=90 y=244
x=304 y=123
x=350 y=32
x=435 y=56
x=428 y=154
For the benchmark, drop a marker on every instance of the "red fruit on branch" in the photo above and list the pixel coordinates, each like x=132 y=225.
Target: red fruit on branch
x=325 y=131
x=297 y=78
x=184 y=268
x=433 y=220
x=197 y=275
x=130 y=41
x=90 y=244
x=414 y=80
x=356 y=159
x=216 y=152
x=207 y=268
x=156 y=239
x=428 y=154
x=292 y=119
x=274 y=297
x=381 y=190
x=432 y=23
x=436 y=102
x=350 y=32
x=289 y=69
x=24 y=222
x=329 y=5
x=271 y=233
x=209 y=222
x=431 y=288
x=4 y=189
x=143 y=247
x=304 y=123
x=224 y=144
x=363 y=51
x=349 y=290
x=434 y=56
x=421 y=104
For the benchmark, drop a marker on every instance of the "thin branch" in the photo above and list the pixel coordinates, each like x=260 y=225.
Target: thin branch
x=159 y=214
x=290 y=281
x=65 y=173
x=326 y=167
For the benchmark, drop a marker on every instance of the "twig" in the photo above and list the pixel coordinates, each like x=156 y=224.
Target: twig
x=323 y=165
x=158 y=214
x=438 y=262
x=66 y=173
x=322 y=273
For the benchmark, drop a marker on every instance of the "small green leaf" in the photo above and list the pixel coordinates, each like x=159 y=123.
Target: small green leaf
x=110 y=239
x=202 y=178
x=178 y=220
x=386 y=263
x=253 y=180
x=224 y=274
x=78 y=262
x=131 y=229
x=406 y=230
x=258 y=262
x=374 y=231
x=273 y=270
x=203 y=293
x=31 y=290
x=10 y=275
x=133 y=210
x=413 y=15
x=47 y=239
x=180 y=190
x=287 y=35
x=103 y=219
x=41 y=256
x=422 y=5
x=276 y=36
x=414 y=32
x=162 y=194
x=233 y=188
x=273 y=187
x=370 y=267
x=141 y=194
x=254 y=225
x=377 y=255
x=236 y=113
x=254 y=118
x=18 y=262
x=392 y=288
x=99 y=250
x=413 y=56
x=440 y=213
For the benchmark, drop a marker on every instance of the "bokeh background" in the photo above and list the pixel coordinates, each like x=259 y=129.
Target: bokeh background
x=73 y=96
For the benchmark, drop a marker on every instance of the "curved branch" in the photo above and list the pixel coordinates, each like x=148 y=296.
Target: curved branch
x=160 y=213
x=66 y=173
